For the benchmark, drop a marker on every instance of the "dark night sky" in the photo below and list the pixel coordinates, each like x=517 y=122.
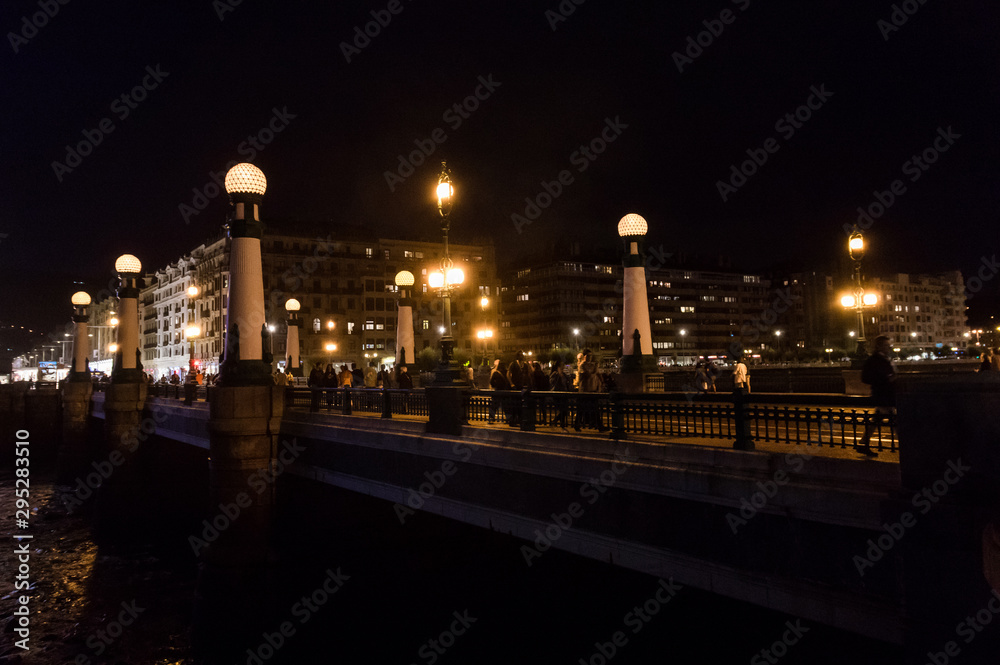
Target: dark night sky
x=606 y=60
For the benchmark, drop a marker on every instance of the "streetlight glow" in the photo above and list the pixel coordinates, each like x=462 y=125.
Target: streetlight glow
x=848 y=301
x=193 y=291
x=80 y=298
x=870 y=299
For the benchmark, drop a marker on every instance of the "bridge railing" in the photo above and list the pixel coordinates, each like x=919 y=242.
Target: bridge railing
x=821 y=420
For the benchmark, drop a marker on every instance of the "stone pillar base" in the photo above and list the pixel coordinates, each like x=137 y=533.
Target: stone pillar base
x=853 y=384
x=446 y=410
x=122 y=495
x=75 y=451
x=243 y=425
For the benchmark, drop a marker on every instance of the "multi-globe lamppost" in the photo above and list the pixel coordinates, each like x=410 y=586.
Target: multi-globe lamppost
x=859 y=300
x=445 y=280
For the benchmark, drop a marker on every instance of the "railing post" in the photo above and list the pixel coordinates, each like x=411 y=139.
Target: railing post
x=527 y=411
x=386 y=403
x=617 y=417
x=189 y=390
x=347 y=401
x=743 y=439
x=314 y=399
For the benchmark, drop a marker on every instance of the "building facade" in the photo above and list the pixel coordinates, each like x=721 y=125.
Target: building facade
x=576 y=304
x=346 y=287
x=922 y=312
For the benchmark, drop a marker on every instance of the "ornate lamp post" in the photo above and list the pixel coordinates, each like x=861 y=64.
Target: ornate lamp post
x=860 y=299
x=127 y=367
x=404 y=319
x=445 y=280
x=292 y=306
x=191 y=332
x=80 y=371
x=637 y=342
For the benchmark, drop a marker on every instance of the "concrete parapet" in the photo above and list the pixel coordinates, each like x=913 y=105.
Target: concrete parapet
x=949 y=437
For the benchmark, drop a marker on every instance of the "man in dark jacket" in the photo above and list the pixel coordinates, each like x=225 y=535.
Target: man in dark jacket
x=879 y=373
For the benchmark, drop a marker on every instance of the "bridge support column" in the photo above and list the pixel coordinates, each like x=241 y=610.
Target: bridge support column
x=949 y=430
x=74 y=453
x=243 y=425
x=445 y=409
x=121 y=495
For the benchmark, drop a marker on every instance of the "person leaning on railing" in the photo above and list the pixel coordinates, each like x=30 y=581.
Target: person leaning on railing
x=879 y=373
x=587 y=414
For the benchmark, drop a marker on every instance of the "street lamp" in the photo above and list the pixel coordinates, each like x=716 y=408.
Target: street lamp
x=860 y=299
x=127 y=367
x=191 y=332
x=404 y=318
x=828 y=358
x=576 y=336
x=247 y=351
x=330 y=348
x=637 y=342
x=446 y=280
x=292 y=306
x=485 y=335
x=80 y=371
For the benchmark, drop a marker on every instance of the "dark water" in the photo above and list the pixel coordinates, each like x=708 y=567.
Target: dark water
x=428 y=591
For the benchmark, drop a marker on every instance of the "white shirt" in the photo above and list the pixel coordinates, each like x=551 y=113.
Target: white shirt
x=740 y=375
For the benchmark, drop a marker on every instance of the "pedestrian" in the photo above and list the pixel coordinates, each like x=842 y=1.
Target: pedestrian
x=346 y=377
x=712 y=369
x=315 y=377
x=381 y=379
x=741 y=377
x=587 y=413
x=996 y=359
x=329 y=383
x=559 y=381
x=987 y=361
x=405 y=381
x=539 y=382
x=279 y=378
x=498 y=381
x=371 y=376
x=878 y=373
x=700 y=377
x=357 y=376
x=516 y=373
